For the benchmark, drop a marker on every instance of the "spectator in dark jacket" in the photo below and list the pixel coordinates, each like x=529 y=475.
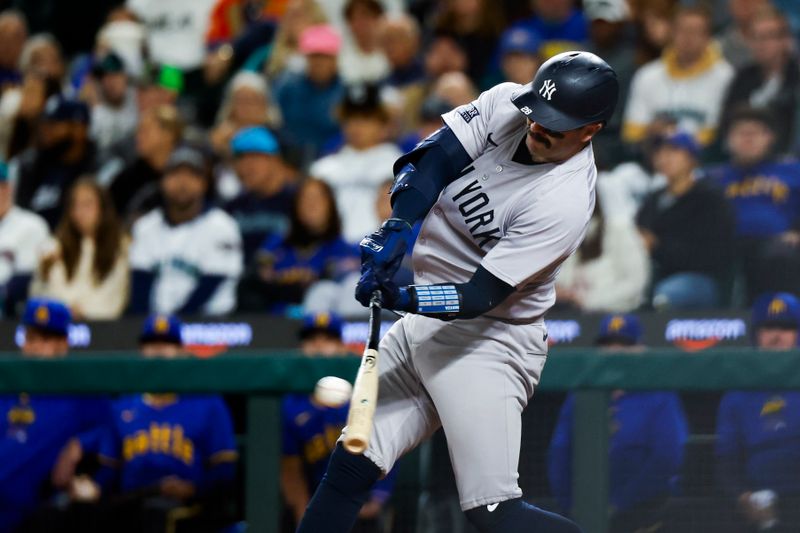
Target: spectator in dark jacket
x=134 y=188
x=263 y=206
x=63 y=152
x=308 y=100
x=687 y=228
x=772 y=81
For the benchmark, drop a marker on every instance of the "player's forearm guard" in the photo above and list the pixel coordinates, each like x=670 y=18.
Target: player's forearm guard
x=440 y=301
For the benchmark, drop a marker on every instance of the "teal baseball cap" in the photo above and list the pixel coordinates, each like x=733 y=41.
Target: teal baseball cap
x=254 y=140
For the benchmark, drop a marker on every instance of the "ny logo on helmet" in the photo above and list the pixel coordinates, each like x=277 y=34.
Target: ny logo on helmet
x=548 y=88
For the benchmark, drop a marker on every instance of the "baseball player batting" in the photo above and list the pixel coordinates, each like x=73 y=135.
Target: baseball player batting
x=505 y=191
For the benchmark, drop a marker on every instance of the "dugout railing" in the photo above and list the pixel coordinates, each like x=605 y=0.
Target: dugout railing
x=263 y=376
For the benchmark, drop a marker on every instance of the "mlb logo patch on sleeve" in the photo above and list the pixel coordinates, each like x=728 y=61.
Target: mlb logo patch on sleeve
x=468 y=112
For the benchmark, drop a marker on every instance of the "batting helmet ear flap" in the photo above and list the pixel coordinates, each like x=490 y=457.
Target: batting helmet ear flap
x=570 y=90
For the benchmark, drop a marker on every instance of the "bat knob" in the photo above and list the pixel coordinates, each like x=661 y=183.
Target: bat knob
x=356 y=446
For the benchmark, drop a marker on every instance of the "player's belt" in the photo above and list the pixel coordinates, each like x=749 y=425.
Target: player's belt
x=517 y=321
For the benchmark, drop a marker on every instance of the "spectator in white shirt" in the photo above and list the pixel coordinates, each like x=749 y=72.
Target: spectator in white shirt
x=186 y=257
x=23 y=236
x=176 y=30
x=609 y=271
x=362 y=59
x=115 y=114
x=88 y=266
x=357 y=170
x=687 y=83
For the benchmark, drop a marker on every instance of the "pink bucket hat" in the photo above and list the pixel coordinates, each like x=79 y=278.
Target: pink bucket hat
x=320 y=39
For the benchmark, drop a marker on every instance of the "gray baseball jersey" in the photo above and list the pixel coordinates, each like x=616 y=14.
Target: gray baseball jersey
x=474 y=377
x=518 y=221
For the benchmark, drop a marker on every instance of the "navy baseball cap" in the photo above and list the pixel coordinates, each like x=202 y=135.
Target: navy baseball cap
x=187 y=156
x=161 y=328
x=59 y=108
x=520 y=40
x=363 y=99
x=254 y=140
x=50 y=316
x=329 y=323
x=108 y=64
x=620 y=329
x=682 y=140
x=777 y=310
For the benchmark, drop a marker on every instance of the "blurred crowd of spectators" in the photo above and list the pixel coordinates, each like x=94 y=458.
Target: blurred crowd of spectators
x=213 y=156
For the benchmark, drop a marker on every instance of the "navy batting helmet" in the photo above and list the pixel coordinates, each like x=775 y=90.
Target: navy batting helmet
x=570 y=90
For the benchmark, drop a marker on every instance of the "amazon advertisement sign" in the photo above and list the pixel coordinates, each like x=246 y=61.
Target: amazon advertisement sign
x=690 y=332
x=687 y=331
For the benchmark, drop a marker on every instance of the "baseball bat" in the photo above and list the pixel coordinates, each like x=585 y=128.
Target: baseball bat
x=365 y=390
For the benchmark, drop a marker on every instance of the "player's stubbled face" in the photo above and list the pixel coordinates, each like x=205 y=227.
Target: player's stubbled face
x=548 y=146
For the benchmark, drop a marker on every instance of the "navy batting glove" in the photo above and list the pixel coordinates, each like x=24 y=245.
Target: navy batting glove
x=367 y=284
x=384 y=249
x=392 y=296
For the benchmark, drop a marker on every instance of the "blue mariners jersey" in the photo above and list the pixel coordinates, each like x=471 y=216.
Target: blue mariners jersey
x=34 y=429
x=329 y=260
x=647 y=433
x=190 y=437
x=763 y=430
x=766 y=197
x=293 y=266
x=311 y=432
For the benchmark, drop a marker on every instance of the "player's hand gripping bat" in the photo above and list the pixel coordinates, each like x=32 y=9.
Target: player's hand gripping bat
x=365 y=390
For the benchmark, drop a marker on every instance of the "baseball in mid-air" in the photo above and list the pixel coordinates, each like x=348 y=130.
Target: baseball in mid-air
x=331 y=391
